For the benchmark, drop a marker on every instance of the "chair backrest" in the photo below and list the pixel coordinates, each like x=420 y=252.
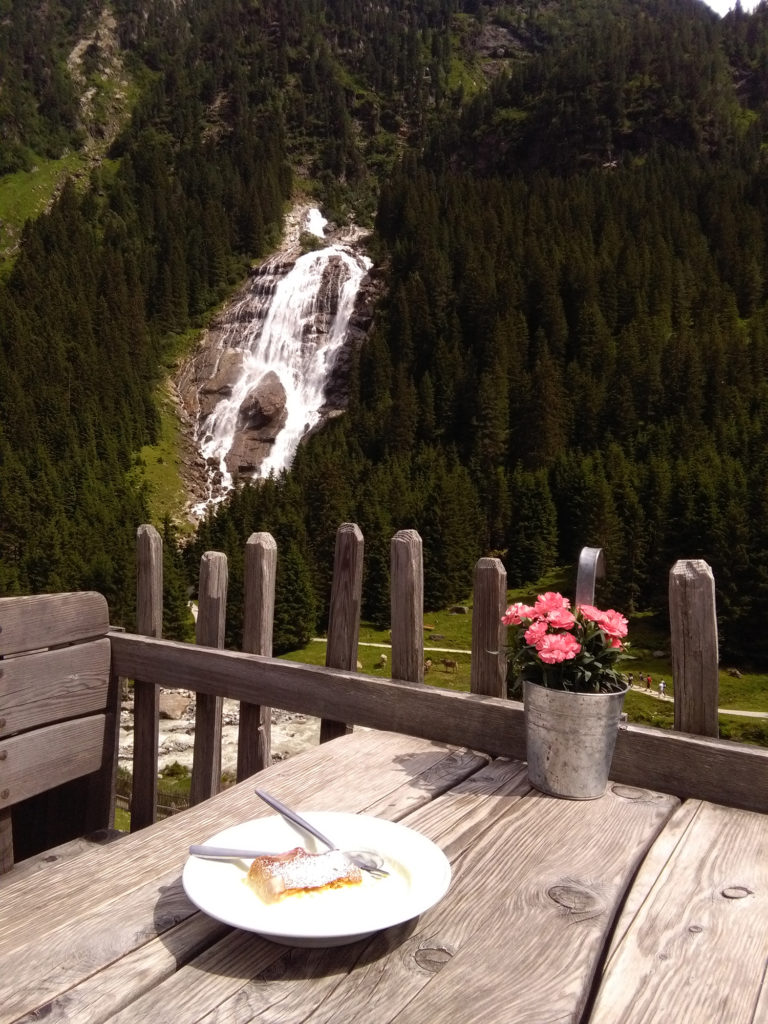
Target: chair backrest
x=59 y=720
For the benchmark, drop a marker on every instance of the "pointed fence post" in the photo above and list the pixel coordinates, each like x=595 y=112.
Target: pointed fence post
x=488 y=673
x=146 y=695
x=254 y=734
x=407 y=606
x=693 y=625
x=344 y=617
x=211 y=619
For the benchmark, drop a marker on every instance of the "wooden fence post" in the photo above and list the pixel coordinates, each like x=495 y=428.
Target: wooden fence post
x=146 y=695
x=407 y=606
x=591 y=568
x=693 y=626
x=344 y=617
x=488 y=673
x=211 y=618
x=254 y=736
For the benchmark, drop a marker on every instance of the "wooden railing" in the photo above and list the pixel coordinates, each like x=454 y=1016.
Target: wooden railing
x=688 y=762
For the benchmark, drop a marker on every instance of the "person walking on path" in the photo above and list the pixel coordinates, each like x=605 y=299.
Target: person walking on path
x=662 y=687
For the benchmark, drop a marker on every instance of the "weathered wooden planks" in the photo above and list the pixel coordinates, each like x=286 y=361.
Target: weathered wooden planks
x=693 y=626
x=696 y=948
x=393 y=773
x=531 y=904
x=39 y=760
x=52 y=685
x=520 y=935
x=146 y=694
x=686 y=766
x=489 y=663
x=536 y=883
x=254 y=736
x=407 y=606
x=211 y=622
x=344 y=612
x=50 y=620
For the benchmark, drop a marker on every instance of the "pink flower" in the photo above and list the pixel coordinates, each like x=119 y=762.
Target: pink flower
x=561 y=618
x=536 y=631
x=556 y=647
x=550 y=602
x=591 y=613
x=515 y=614
x=614 y=625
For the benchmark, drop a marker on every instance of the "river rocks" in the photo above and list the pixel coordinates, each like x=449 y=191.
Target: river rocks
x=220 y=382
x=173 y=706
x=263 y=408
x=291 y=733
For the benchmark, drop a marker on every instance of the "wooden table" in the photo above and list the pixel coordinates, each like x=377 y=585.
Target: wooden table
x=627 y=908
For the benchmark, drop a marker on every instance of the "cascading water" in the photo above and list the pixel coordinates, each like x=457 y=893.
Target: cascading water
x=281 y=340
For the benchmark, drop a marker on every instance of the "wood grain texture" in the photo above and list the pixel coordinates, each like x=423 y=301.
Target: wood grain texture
x=686 y=766
x=101 y=996
x=344 y=613
x=698 y=947
x=6 y=841
x=547 y=908
x=46 y=687
x=86 y=940
x=211 y=622
x=64 y=852
x=540 y=889
x=146 y=695
x=488 y=672
x=407 y=606
x=243 y=978
x=51 y=620
x=39 y=760
x=695 y=660
x=254 y=736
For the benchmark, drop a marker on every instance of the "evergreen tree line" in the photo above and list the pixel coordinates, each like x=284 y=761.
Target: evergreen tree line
x=561 y=362
x=564 y=358
x=228 y=96
x=573 y=346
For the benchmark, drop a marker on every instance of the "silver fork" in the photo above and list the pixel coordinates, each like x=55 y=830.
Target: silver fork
x=366 y=860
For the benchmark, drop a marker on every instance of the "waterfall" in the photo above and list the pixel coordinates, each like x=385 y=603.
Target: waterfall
x=276 y=348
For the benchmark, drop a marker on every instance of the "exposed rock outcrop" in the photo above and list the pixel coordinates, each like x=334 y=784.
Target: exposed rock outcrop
x=260 y=419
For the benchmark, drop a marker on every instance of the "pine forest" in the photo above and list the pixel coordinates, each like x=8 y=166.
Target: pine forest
x=569 y=206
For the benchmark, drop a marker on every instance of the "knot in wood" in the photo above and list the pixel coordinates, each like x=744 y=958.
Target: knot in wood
x=432 y=958
x=632 y=793
x=736 y=892
x=577 y=900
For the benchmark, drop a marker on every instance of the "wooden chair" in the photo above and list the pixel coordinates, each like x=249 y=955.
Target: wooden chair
x=59 y=720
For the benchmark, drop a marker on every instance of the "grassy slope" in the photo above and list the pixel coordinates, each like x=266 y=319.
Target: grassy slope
x=648 y=634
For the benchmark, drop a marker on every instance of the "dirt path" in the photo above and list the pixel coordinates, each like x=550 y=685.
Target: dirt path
x=720 y=711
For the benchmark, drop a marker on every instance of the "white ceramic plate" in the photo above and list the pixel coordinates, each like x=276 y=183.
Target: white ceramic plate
x=419 y=875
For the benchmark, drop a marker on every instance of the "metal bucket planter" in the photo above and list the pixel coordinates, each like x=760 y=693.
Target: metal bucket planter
x=570 y=739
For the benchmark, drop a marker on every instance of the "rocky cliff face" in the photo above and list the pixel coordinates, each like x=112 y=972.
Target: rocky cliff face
x=215 y=371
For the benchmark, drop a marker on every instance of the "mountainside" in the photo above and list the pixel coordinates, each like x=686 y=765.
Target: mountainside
x=570 y=209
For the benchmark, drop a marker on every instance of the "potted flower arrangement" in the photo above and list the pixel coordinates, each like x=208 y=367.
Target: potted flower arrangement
x=573 y=694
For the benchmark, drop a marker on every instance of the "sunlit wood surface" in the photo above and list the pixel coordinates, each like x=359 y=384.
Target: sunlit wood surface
x=633 y=907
